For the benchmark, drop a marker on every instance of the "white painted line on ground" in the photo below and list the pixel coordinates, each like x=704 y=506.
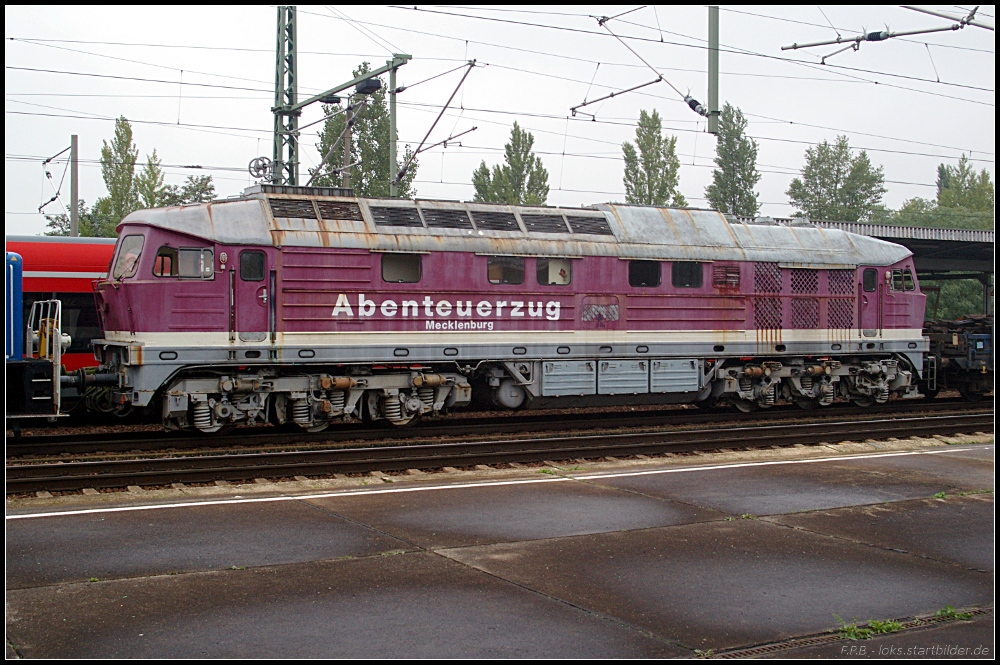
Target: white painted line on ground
x=496 y=483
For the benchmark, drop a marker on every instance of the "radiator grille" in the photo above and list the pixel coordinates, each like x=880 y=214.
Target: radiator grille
x=767 y=313
x=340 y=210
x=495 y=221
x=595 y=226
x=295 y=208
x=805 y=313
x=767 y=278
x=840 y=313
x=446 y=219
x=396 y=217
x=804 y=281
x=544 y=223
x=840 y=282
x=725 y=276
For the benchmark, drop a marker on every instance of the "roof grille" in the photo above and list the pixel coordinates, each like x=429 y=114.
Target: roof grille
x=396 y=216
x=296 y=208
x=495 y=221
x=544 y=223
x=340 y=210
x=595 y=226
x=446 y=219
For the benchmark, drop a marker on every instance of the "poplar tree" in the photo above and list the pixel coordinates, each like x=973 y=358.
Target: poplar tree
x=732 y=188
x=369 y=148
x=836 y=185
x=149 y=187
x=522 y=180
x=652 y=169
x=118 y=160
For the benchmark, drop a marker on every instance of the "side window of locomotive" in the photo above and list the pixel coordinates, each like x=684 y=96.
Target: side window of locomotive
x=644 y=273
x=686 y=275
x=401 y=268
x=128 y=256
x=197 y=263
x=908 y=283
x=166 y=262
x=252 y=266
x=897 y=280
x=555 y=272
x=869 y=279
x=505 y=269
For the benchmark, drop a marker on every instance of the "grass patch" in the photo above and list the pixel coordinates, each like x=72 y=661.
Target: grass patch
x=949 y=612
x=748 y=516
x=940 y=495
x=549 y=471
x=882 y=627
x=851 y=631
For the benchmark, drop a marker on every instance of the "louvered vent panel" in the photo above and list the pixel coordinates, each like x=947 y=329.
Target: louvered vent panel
x=804 y=280
x=805 y=313
x=725 y=276
x=495 y=221
x=297 y=208
x=544 y=223
x=595 y=226
x=840 y=312
x=767 y=313
x=840 y=282
x=446 y=219
x=340 y=210
x=767 y=278
x=396 y=217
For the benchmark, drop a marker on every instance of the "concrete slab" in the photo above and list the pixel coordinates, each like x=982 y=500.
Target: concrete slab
x=727 y=584
x=955 y=639
x=787 y=488
x=958 y=529
x=498 y=513
x=965 y=469
x=158 y=542
x=416 y=605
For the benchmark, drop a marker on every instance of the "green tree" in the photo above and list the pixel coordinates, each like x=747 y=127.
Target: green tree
x=369 y=148
x=196 y=189
x=93 y=223
x=652 y=169
x=837 y=185
x=118 y=161
x=522 y=180
x=149 y=188
x=961 y=187
x=732 y=185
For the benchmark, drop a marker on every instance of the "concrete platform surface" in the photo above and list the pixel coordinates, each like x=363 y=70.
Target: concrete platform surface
x=648 y=559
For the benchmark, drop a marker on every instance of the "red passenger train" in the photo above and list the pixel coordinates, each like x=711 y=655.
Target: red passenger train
x=65 y=269
x=315 y=307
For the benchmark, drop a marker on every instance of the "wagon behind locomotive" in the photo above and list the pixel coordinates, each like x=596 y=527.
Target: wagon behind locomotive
x=319 y=308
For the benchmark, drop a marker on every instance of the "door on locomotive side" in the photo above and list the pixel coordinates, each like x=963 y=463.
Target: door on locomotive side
x=870 y=294
x=253 y=293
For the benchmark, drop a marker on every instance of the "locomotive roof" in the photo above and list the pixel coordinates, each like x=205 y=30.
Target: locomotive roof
x=402 y=225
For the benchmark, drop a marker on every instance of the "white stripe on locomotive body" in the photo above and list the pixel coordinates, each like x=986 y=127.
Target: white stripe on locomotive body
x=513 y=337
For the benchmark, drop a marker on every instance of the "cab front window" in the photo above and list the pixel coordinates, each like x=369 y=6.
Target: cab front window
x=128 y=256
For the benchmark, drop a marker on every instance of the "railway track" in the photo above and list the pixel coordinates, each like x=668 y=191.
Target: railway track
x=26 y=478
x=489 y=424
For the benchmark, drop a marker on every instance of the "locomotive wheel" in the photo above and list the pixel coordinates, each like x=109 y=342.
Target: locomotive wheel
x=807 y=403
x=708 y=404
x=223 y=429
x=864 y=401
x=745 y=405
x=970 y=394
x=928 y=393
x=315 y=427
x=405 y=422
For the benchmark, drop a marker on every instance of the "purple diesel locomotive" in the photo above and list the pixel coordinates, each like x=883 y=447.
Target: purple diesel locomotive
x=315 y=307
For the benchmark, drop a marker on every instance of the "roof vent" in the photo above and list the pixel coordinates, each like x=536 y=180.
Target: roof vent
x=595 y=226
x=544 y=223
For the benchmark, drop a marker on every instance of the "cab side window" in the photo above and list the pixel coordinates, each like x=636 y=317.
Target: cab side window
x=401 y=268
x=554 y=272
x=252 y=266
x=166 y=262
x=505 y=269
x=869 y=280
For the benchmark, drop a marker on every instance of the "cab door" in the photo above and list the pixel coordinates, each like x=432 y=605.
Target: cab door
x=870 y=294
x=252 y=296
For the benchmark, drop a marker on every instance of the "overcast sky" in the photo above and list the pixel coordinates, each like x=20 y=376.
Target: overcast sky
x=197 y=84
